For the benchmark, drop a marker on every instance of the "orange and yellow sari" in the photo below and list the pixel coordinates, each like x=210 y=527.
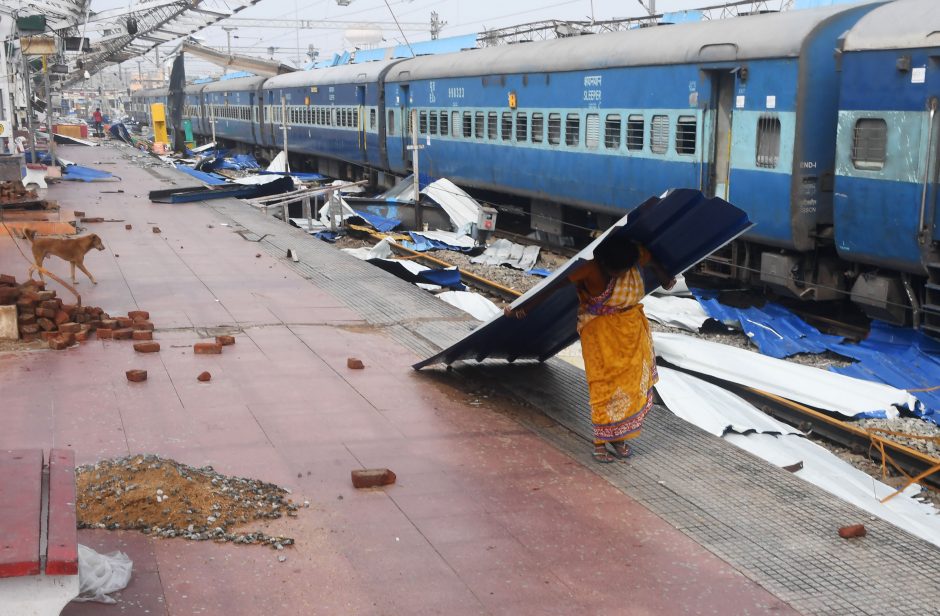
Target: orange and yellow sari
x=618 y=357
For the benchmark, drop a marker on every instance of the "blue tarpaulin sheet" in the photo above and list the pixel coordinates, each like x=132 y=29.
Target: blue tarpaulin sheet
x=421 y=243
x=380 y=223
x=307 y=177
x=202 y=176
x=85 y=174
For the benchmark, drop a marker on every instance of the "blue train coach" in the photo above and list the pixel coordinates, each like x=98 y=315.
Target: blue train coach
x=233 y=105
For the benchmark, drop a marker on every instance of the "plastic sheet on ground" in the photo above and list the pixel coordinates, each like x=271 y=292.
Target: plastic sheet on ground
x=203 y=148
x=504 y=252
x=804 y=384
x=202 y=176
x=119 y=131
x=462 y=209
x=379 y=223
x=776 y=331
x=674 y=311
x=324 y=214
x=423 y=241
x=256 y=180
x=416 y=273
x=85 y=174
x=722 y=413
x=382 y=250
x=473 y=304
x=101 y=574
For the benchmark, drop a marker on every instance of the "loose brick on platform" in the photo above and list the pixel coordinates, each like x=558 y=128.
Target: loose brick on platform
x=108 y=324
x=372 y=477
x=156 y=229
x=51 y=304
x=207 y=348
x=855 y=530
x=204 y=376
x=105 y=334
x=125 y=333
x=70 y=327
x=144 y=326
x=136 y=376
x=45 y=324
x=45 y=295
x=82 y=335
x=48 y=313
x=354 y=364
x=47 y=336
x=128 y=227
x=124 y=322
x=26 y=302
x=61 y=317
x=62 y=341
x=139 y=315
x=142 y=335
x=7 y=280
x=147 y=347
x=225 y=340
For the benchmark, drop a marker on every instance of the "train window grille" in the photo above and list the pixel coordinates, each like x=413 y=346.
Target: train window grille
x=612 y=131
x=355 y=117
x=391 y=122
x=432 y=123
x=659 y=134
x=410 y=125
x=870 y=143
x=506 y=126
x=372 y=116
x=554 y=128
x=522 y=126
x=467 y=125
x=592 y=130
x=768 y=142
x=455 y=125
x=686 y=131
x=636 y=132
x=445 y=129
x=423 y=123
x=479 y=125
x=572 y=129
x=492 y=119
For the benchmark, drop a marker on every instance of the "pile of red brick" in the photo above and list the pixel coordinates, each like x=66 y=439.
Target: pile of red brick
x=42 y=315
x=11 y=192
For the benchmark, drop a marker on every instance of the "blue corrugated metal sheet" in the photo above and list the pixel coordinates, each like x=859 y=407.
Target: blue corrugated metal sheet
x=679 y=230
x=202 y=176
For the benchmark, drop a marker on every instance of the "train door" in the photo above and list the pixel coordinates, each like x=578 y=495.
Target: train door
x=931 y=188
x=361 y=127
x=405 y=122
x=722 y=103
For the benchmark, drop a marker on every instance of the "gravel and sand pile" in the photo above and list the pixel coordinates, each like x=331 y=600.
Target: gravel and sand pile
x=164 y=498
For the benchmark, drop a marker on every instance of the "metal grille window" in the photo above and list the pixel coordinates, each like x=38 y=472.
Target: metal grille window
x=391 y=122
x=411 y=124
x=538 y=128
x=659 y=134
x=506 y=126
x=636 y=132
x=355 y=117
x=478 y=129
x=612 y=132
x=467 y=124
x=768 y=142
x=870 y=143
x=572 y=129
x=491 y=121
x=444 y=127
x=423 y=123
x=432 y=126
x=592 y=130
x=372 y=119
x=554 y=128
x=686 y=135
x=522 y=126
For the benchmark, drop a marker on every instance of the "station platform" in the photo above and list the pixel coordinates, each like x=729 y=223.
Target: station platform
x=498 y=508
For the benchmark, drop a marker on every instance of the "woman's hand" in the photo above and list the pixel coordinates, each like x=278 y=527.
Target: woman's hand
x=669 y=284
x=514 y=313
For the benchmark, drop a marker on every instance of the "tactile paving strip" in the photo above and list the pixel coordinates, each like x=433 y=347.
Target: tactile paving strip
x=773 y=527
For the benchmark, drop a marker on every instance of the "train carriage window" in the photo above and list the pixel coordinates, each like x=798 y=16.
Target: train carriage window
x=506 y=126
x=467 y=125
x=612 y=131
x=870 y=143
x=432 y=123
x=423 y=123
x=478 y=131
x=538 y=128
x=522 y=126
x=572 y=129
x=355 y=117
x=686 y=134
x=659 y=134
x=411 y=124
x=455 y=126
x=391 y=122
x=636 y=132
x=444 y=128
x=768 y=142
x=492 y=119
x=554 y=128
x=592 y=130
x=372 y=119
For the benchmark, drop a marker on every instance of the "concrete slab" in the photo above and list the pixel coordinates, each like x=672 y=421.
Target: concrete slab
x=9 y=324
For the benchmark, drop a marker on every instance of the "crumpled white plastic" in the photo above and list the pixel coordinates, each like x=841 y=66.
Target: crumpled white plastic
x=101 y=574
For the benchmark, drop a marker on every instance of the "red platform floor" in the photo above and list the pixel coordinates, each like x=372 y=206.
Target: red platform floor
x=486 y=518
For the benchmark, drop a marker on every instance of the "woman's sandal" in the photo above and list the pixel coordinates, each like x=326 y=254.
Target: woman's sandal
x=603 y=456
x=622 y=451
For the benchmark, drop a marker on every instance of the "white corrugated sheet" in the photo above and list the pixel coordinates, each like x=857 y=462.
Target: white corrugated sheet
x=462 y=209
x=504 y=252
x=458 y=240
x=804 y=384
x=474 y=304
x=382 y=250
x=675 y=311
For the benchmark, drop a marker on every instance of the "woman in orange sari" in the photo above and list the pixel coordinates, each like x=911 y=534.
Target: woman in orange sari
x=616 y=344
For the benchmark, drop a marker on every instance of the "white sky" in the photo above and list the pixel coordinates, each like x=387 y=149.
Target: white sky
x=462 y=17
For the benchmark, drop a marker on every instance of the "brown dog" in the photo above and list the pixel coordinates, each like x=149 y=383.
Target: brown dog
x=71 y=249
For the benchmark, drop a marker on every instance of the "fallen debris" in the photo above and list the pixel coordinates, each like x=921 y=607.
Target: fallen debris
x=225 y=340
x=207 y=348
x=128 y=227
x=164 y=498
x=855 y=530
x=372 y=478
x=147 y=347
x=354 y=364
x=156 y=229
x=136 y=376
x=204 y=377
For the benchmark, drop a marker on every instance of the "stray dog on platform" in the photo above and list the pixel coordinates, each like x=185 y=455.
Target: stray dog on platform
x=71 y=249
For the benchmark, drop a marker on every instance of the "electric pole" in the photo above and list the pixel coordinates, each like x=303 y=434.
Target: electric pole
x=228 y=33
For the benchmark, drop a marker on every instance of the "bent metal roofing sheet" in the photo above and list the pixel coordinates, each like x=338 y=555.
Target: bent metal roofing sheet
x=679 y=230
